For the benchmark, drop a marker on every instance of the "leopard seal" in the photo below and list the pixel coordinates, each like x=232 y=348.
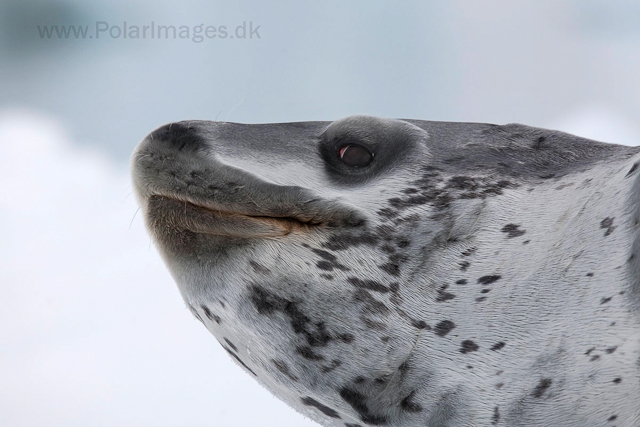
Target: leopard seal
x=379 y=272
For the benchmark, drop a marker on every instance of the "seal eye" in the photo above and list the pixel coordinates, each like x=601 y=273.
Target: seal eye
x=355 y=156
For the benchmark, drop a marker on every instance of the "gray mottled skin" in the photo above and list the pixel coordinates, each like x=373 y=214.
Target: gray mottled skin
x=471 y=275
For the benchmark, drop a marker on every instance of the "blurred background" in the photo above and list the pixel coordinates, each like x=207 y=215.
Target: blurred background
x=92 y=328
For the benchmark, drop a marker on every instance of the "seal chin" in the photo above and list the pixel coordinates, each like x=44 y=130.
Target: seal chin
x=168 y=212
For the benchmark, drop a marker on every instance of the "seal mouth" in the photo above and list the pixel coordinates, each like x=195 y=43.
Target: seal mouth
x=175 y=212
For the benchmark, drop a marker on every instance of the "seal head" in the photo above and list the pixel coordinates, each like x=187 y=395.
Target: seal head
x=393 y=272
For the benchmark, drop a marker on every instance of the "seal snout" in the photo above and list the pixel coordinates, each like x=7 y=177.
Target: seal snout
x=183 y=182
x=179 y=136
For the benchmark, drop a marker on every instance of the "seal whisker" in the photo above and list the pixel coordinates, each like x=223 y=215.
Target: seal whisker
x=234 y=107
x=134 y=216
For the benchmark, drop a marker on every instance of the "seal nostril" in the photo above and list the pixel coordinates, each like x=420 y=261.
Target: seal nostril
x=182 y=136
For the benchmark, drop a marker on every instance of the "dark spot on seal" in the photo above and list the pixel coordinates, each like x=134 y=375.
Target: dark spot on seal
x=463 y=183
x=443 y=295
x=284 y=369
x=403 y=243
x=468 y=346
x=232 y=345
x=611 y=349
x=485 y=291
x=542 y=386
x=464 y=265
x=588 y=352
x=372 y=285
x=329 y=266
x=496 y=416
x=308 y=353
x=408 y=405
x=346 y=338
x=589 y=274
x=399 y=203
x=526 y=242
x=419 y=324
x=468 y=252
x=359 y=404
x=210 y=315
x=388 y=248
x=259 y=268
x=607 y=224
x=309 y=401
x=329 y=261
x=498 y=346
x=478 y=187
x=340 y=242
x=486 y=280
x=371 y=304
x=632 y=170
x=605 y=300
x=617 y=380
x=444 y=327
x=195 y=313
x=512 y=230
x=334 y=364
x=352 y=425
x=388 y=213
x=499 y=385
x=560 y=187
x=612 y=418
x=480 y=299
x=461 y=282
x=391 y=268
x=373 y=324
x=594 y=358
x=398 y=258
x=538 y=144
x=267 y=303
x=235 y=356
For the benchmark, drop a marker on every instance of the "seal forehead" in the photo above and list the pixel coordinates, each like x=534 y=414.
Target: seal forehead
x=373 y=130
x=444 y=283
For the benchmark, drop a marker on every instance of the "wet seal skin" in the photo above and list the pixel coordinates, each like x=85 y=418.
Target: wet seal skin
x=379 y=272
